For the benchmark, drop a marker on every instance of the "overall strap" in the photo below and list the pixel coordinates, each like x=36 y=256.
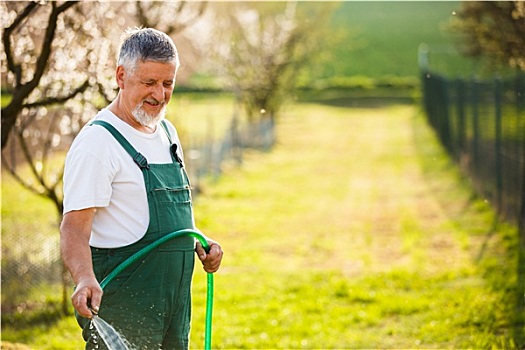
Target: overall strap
x=138 y=158
x=166 y=130
x=173 y=148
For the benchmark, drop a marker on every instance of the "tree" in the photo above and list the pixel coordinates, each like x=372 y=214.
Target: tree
x=49 y=74
x=27 y=60
x=57 y=76
x=261 y=48
x=58 y=69
x=495 y=30
x=51 y=56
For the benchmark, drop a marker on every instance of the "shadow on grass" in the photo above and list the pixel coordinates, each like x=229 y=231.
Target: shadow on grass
x=364 y=101
x=501 y=255
x=359 y=98
x=43 y=316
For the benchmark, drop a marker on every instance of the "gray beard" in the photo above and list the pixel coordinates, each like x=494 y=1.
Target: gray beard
x=145 y=119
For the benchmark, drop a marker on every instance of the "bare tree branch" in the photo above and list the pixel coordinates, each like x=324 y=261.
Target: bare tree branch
x=148 y=15
x=141 y=14
x=22 y=181
x=60 y=99
x=173 y=29
x=11 y=65
x=22 y=90
x=47 y=42
x=102 y=91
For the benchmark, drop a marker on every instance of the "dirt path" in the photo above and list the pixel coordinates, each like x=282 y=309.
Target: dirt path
x=343 y=192
x=355 y=232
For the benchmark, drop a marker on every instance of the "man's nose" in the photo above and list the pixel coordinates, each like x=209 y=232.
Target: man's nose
x=158 y=92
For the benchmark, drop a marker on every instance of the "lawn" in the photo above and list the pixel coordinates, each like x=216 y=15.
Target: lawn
x=381 y=39
x=355 y=231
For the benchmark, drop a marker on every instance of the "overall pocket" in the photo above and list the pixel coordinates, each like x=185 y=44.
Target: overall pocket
x=174 y=208
x=174 y=211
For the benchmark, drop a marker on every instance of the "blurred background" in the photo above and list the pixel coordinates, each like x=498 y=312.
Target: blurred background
x=244 y=68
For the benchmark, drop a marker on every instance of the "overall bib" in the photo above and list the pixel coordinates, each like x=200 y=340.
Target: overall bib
x=149 y=303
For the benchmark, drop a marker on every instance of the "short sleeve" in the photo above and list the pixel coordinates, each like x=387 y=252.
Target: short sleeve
x=87 y=180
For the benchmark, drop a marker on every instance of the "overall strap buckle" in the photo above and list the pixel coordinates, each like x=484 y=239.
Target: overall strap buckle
x=141 y=161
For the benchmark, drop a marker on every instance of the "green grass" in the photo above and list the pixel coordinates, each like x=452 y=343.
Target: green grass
x=355 y=231
x=360 y=239
x=381 y=38
x=377 y=42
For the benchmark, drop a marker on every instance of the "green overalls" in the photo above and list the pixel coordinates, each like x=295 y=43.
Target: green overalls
x=149 y=303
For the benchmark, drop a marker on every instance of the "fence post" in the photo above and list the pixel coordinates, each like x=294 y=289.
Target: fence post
x=460 y=103
x=497 y=144
x=520 y=91
x=422 y=57
x=475 y=124
x=444 y=114
x=427 y=80
x=237 y=150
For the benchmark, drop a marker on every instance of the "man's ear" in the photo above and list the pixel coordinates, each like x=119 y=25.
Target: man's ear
x=120 y=75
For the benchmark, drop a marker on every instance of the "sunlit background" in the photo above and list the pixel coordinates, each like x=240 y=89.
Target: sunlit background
x=300 y=121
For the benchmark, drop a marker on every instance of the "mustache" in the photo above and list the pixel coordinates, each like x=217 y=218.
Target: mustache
x=152 y=101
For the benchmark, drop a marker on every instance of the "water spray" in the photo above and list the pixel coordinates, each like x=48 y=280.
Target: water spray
x=160 y=241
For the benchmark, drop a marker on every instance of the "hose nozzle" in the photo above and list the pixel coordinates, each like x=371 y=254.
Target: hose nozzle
x=93 y=311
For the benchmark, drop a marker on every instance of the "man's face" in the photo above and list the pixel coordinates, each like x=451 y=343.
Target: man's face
x=147 y=90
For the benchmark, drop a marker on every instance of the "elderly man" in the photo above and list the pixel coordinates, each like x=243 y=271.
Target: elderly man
x=125 y=186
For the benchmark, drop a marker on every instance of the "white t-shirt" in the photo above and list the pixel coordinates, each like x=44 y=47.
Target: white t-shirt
x=100 y=173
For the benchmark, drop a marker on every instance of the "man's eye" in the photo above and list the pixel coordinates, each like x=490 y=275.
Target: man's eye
x=149 y=83
x=168 y=84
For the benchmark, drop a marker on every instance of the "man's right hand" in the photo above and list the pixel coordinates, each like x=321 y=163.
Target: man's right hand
x=87 y=297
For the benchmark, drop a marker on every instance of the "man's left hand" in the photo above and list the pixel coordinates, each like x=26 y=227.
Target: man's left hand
x=211 y=261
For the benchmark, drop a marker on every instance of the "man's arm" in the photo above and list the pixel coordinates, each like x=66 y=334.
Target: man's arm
x=75 y=232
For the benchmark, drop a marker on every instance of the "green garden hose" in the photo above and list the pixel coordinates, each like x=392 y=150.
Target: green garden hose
x=149 y=248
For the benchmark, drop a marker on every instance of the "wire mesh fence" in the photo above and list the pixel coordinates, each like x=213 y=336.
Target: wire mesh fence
x=30 y=261
x=31 y=249
x=481 y=123
x=207 y=157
